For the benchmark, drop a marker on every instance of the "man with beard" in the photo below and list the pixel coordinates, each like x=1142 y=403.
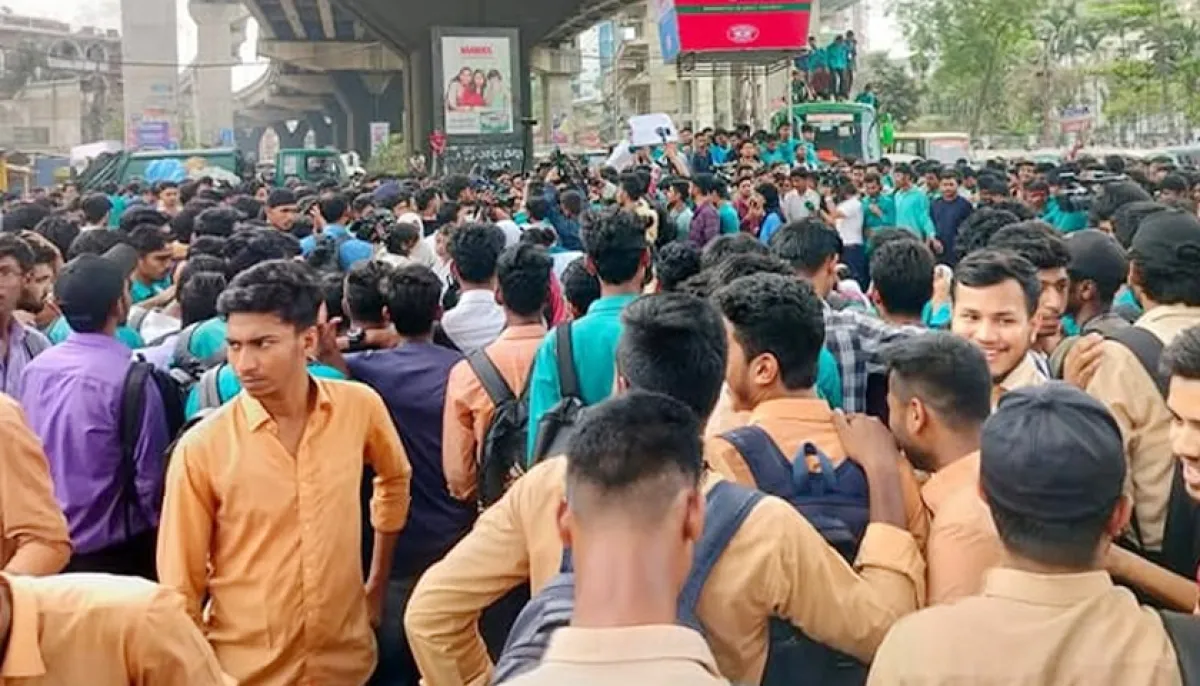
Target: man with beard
x=995 y=296
x=18 y=344
x=36 y=307
x=939 y=395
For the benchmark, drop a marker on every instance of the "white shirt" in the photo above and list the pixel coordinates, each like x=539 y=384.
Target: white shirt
x=850 y=223
x=512 y=232
x=475 y=322
x=562 y=260
x=794 y=207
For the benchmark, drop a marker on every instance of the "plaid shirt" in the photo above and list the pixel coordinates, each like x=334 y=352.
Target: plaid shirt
x=855 y=339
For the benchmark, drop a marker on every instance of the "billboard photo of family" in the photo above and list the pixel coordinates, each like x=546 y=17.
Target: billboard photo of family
x=477 y=85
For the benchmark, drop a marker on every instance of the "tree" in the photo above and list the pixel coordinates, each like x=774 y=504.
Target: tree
x=21 y=66
x=898 y=91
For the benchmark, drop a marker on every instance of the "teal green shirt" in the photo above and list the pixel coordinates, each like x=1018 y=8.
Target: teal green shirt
x=1066 y=222
x=60 y=329
x=886 y=204
x=594 y=342
x=810 y=155
x=729 y=218
x=839 y=55
x=936 y=319
x=208 y=338
x=771 y=158
x=829 y=379
x=912 y=211
x=867 y=99
x=818 y=59
x=140 y=291
x=229 y=386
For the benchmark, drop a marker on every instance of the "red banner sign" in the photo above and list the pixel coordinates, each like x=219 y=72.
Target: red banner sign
x=728 y=25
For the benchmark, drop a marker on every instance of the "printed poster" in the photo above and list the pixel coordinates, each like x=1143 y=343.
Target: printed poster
x=477 y=85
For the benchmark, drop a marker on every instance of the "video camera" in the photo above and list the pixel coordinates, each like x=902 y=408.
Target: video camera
x=1079 y=191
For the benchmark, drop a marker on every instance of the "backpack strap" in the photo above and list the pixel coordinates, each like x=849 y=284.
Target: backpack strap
x=726 y=507
x=210 y=389
x=1148 y=350
x=493 y=382
x=136 y=317
x=133 y=404
x=1184 y=632
x=182 y=355
x=771 y=469
x=547 y=611
x=568 y=381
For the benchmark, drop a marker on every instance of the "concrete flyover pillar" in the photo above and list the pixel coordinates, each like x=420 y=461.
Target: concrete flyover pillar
x=368 y=97
x=322 y=127
x=249 y=139
x=291 y=137
x=217 y=24
x=150 y=78
x=555 y=67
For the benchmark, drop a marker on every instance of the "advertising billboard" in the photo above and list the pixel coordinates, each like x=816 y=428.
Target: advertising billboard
x=476 y=88
x=699 y=26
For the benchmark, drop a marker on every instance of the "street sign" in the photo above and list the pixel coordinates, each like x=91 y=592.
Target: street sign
x=1075 y=119
x=437 y=142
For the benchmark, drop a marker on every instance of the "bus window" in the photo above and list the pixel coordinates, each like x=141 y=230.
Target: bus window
x=948 y=150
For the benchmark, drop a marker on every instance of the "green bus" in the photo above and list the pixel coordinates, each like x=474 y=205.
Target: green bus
x=843 y=129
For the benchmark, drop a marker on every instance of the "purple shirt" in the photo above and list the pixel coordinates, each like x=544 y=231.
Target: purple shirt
x=706 y=225
x=24 y=344
x=73 y=400
x=412 y=381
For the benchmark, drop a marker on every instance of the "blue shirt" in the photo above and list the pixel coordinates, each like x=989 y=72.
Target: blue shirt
x=810 y=155
x=947 y=217
x=728 y=215
x=719 y=155
x=771 y=158
x=144 y=291
x=771 y=224
x=839 y=55
x=60 y=329
x=352 y=250
x=228 y=385
x=411 y=379
x=912 y=211
x=594 y=343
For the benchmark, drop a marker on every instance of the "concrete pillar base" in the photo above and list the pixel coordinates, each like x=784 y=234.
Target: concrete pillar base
x=370 y=99
x=290 y=140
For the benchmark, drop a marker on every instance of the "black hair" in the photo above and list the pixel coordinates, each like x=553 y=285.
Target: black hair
x=60 y=230
x=706 y=183
x=806 y=244
x=616 y=244
x=675 y=263
x=977 y=230
x=17 y=248
x=333 y=289
x=539 y=208
x=888 y=234
x=674 y=344
x=425 y=197
x=1171 y=280
x=244 y=249
x=723 y=247
x=44 y=252
x=632 y=184
x=24 y=217
x=985 y=268
x=523 y=272
x=1116 y=195
x=198 y=296
x=902 y=272
x=364 y=200
x=333 y=206
x=572 y=203
x=1174 y=182
x=1015 y=207
x=92 y=243
x=779 y=315
x=401 y=237
x=631 y=443
x=1182 y=357
x=414 y=298
x=216 y=221
x=246 y=205
x=363 y=292
x=454 y=185
x=747 y=264
x=475 y=249
x=946 y=372
x=1063 y=544
x=1128 y=219
x=147 y=239
x=207 y=245
x=1034 y=240
x=136 y=216
x=96 y=207
x=581 y=288
x=287 y=289
x=201 y=263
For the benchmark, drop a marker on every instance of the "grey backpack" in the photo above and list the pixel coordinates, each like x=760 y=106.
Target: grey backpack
x=727 y=506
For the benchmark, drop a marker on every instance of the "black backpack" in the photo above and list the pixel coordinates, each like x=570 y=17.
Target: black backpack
x=554 y=429
x=502 y=455
x=1181 y=538
x=186 y=368
x=835 y=501
x=133 y=404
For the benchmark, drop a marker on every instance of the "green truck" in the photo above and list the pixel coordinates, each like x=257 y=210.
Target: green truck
x=221 y=164
x=843 y=129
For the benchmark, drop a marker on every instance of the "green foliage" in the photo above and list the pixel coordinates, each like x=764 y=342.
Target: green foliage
x=392 y=158
x=898 y=91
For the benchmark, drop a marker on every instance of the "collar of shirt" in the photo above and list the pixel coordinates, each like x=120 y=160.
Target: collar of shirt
x=1024 y=374
x=611 y=304
x=477 y=297
x=1056 y=590
x=335 y=230
x=258 y=417
x=97 y=341
x=797 y=409
x=961 y=474
x=16 y=333
x=24 y=657
x=1165 y=312
x=649 y=643
x=523 y=332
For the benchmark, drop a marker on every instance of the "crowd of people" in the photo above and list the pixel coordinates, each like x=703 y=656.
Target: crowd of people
x=840 y=424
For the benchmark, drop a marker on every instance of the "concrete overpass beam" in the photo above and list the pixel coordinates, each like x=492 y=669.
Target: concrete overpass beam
x=308 y=84
x=327 y=56
x=291 y=137
x=296 y=104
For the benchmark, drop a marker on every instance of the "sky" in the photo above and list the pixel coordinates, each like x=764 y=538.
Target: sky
x=106 y=14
